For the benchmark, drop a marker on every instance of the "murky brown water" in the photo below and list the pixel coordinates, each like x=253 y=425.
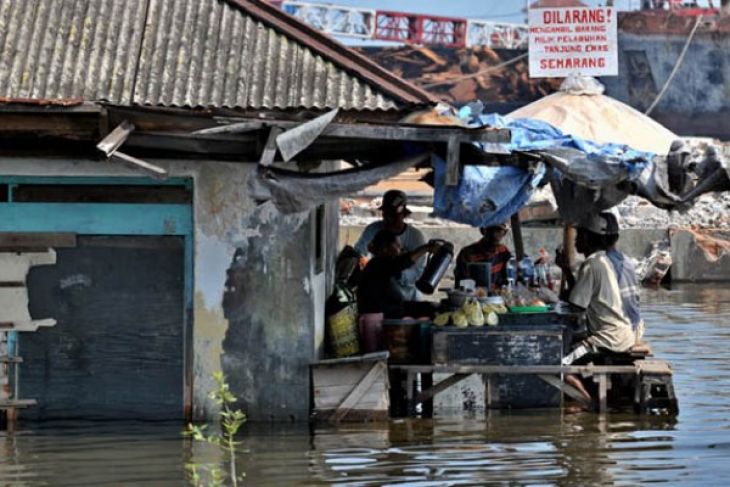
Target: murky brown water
x=689 y=326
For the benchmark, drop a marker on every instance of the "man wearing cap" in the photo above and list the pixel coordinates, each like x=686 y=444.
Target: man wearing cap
x=488 y=249
x=596 y=290
x=394 y=212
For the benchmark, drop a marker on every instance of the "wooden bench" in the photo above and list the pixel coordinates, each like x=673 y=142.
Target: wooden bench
x=645 y=374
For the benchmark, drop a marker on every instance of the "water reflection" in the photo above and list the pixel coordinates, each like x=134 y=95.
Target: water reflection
x=688 y=326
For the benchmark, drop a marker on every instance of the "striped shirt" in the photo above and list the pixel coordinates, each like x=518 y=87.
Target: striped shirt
x=479 y=252
x=628 y=285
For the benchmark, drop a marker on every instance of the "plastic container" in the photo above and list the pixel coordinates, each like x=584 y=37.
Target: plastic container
x=343 y=333
x=408 y=341
x=435 y=269
x=529 y=309
x=457 y=297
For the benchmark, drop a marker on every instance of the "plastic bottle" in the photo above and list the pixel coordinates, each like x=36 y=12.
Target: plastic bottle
x=528 y=271
x=511 y=273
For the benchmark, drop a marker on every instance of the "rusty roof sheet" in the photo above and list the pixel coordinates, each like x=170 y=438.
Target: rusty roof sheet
x=185 y=53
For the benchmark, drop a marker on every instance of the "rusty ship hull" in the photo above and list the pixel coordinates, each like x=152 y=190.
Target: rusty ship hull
x=696 y=102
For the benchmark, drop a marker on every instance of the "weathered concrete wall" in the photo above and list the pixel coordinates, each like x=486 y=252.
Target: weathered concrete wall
x=258 y=299
x=633 y=242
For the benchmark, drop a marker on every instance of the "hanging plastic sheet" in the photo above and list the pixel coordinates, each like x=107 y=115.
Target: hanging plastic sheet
x=485 y=195
x=294 y=192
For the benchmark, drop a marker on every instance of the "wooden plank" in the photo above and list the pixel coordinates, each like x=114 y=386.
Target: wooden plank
x=586 y=370
x=269 y=152
x=5 y=359
x=453 y=151
x=602 y=393
x=441 y=386
x=376 y=372
x=330 y=397
x=114 y=140
x=36 y=240
x=346 y=375
x=492 y=391
x=368 y=357
x=653 y=366
x=134 y=163
x=233 y=128
x=17 y=403
x=567 y=389
x=401 y=132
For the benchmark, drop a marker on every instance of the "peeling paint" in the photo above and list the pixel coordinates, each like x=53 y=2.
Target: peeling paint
x=210 y=329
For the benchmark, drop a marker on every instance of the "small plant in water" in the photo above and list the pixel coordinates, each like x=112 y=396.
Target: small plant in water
x=231 y=421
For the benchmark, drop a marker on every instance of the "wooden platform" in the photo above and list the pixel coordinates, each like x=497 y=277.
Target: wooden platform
x=352 y=389
x=647 y=377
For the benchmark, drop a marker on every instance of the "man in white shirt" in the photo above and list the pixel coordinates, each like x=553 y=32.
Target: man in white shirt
x=394 y=212
x=596 y=290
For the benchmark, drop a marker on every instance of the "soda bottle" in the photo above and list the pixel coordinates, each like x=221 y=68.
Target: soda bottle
x=511 y=272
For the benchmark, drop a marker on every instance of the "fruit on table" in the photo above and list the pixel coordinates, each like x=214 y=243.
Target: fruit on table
x=492 y=319
x=459 y=319
x=442 y=319
x=473 y=311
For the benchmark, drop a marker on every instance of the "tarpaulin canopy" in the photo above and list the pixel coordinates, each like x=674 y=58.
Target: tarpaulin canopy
x=580 y=108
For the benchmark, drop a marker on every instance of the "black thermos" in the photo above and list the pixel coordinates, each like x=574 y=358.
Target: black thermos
x=435 y=269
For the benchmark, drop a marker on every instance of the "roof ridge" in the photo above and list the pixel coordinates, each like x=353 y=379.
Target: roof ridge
x=344 y=57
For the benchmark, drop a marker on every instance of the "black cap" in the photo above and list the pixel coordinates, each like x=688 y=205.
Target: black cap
x=395 y=200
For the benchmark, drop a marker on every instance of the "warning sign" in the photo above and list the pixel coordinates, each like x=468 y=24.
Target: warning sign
x=576 y=39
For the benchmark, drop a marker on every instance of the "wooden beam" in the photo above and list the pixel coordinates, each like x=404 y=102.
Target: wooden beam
x=234 y=128
x=134 y=163
x=569 y=235
x=441 y=386
x=114 y=140
x=567 y=389
x=269 y=152
x=378 y=370
x=403 y=132
x=517 y=237
x=584 y=370
x=18 y=241
x=453 y=153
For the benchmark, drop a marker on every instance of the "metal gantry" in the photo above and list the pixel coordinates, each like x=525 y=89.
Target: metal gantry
x=405 y=27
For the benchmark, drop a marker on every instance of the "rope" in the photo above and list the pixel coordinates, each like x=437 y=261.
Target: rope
x=676 y=67
x=478 y=73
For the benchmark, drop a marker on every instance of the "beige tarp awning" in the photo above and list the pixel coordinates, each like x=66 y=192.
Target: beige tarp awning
x=581 y=109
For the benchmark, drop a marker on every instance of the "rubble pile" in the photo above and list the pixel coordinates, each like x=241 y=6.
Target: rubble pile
x=709 y=211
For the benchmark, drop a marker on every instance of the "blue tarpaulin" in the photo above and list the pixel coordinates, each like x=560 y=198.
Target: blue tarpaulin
x=485 y=195
x=535 y=135
x=489 y=195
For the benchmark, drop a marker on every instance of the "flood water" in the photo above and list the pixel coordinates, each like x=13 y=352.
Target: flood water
x=688 y=326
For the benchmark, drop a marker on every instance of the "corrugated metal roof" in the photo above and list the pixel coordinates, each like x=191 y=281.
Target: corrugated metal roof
x=196 y=53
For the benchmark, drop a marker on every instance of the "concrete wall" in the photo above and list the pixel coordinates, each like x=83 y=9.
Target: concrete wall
x=634 y=242
x=258 y=299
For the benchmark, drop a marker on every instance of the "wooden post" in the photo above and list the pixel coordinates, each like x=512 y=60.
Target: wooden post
x=569 y=234
x=453 y=161
x=517 y=237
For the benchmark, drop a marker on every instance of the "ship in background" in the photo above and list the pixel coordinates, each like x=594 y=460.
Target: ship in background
x=466 y=59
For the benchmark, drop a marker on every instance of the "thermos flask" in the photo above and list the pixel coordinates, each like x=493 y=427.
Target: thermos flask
x=435 y=269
